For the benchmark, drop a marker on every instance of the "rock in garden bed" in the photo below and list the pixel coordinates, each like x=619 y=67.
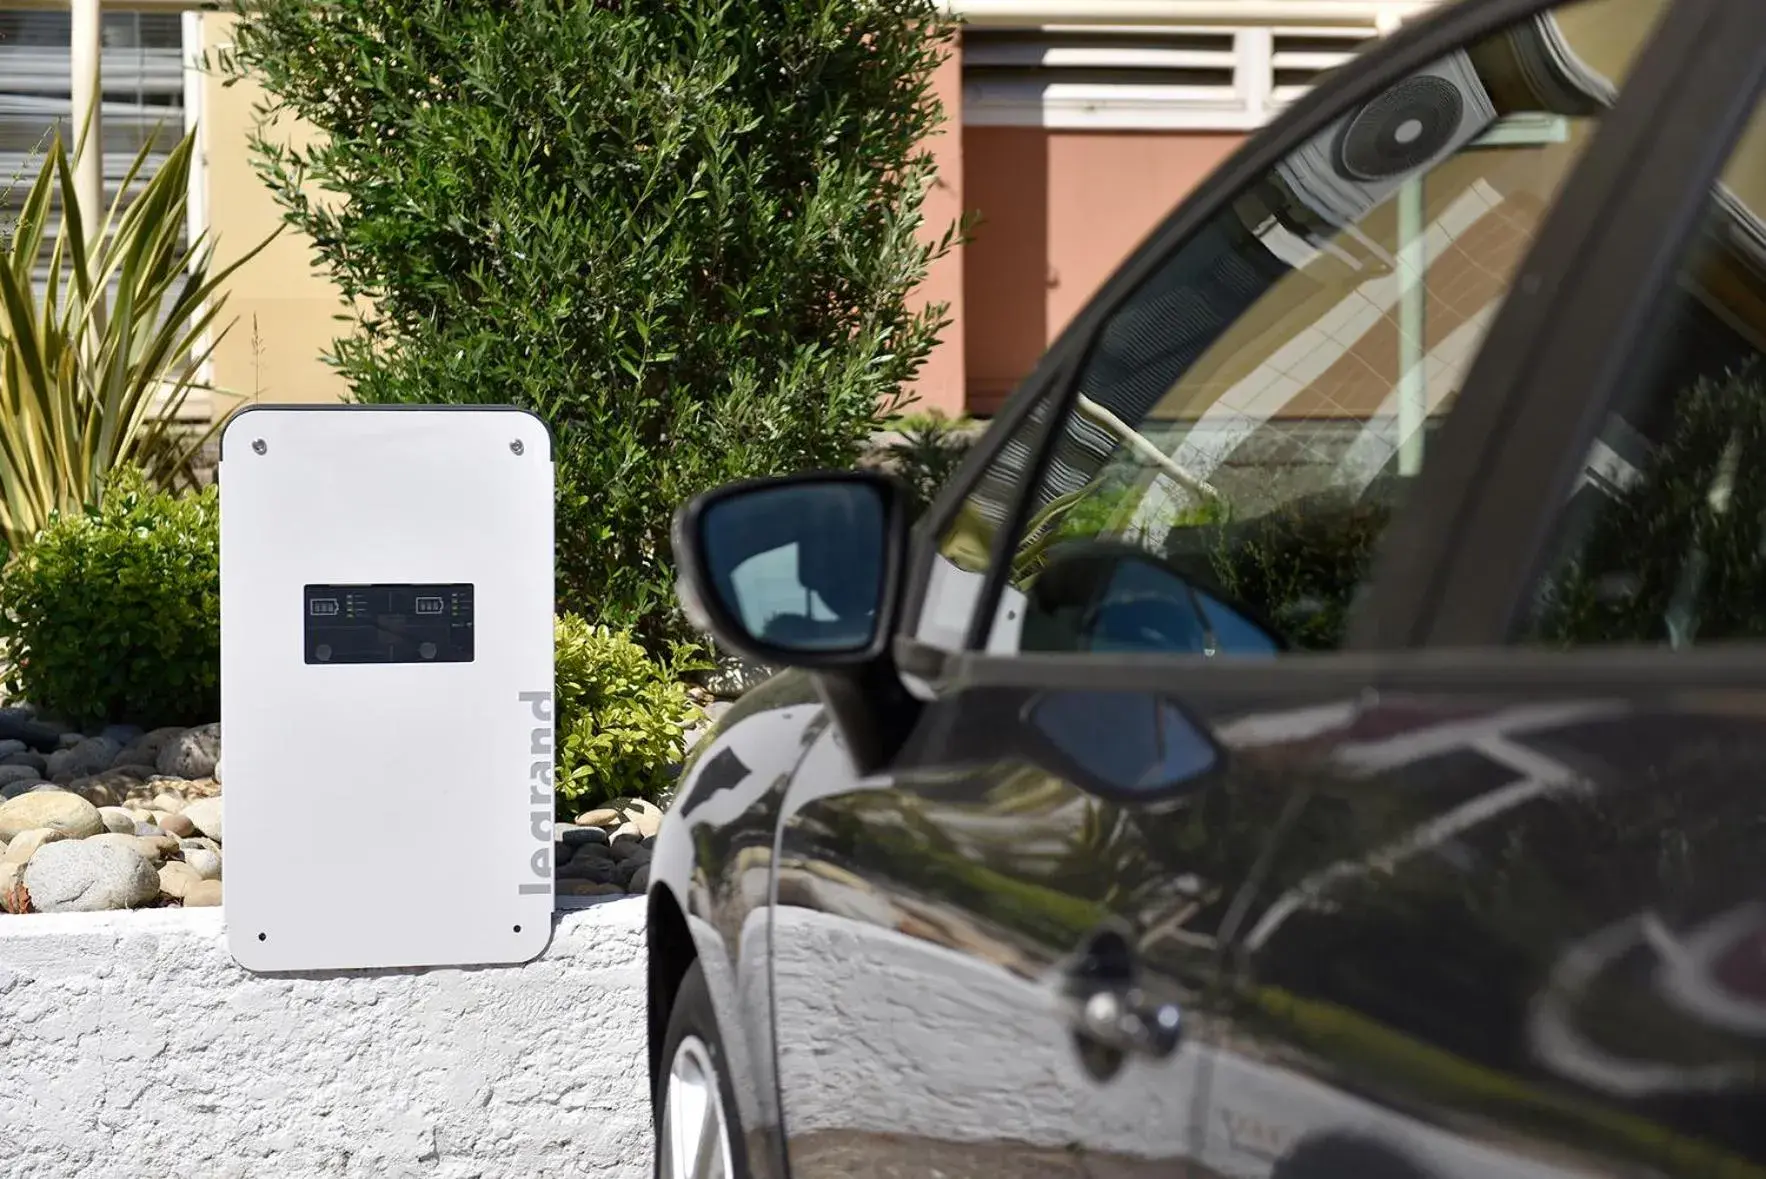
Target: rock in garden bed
x=606 y=850
x=137 y=817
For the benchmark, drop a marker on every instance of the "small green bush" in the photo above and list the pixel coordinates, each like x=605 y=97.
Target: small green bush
x=620 y=715
x=114 y=614
x=687 y=233
x=928 y=452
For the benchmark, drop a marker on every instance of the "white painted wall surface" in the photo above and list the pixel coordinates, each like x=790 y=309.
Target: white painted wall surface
x=132 y=1045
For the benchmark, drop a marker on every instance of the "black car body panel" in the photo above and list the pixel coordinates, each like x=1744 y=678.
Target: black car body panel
x=1427 y=905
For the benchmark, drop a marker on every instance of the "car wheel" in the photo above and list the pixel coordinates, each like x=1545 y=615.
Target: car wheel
x=1332 y=1155
x=696 y=1135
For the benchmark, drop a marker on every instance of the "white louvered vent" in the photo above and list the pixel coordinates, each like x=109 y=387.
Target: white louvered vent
x=1300 y=57
x=1143 y=78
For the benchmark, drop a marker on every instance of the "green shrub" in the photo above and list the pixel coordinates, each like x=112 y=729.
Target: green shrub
x=928 y=451
x=114 y=614
x=89 y=385
x=687 y=233
x=620 y=715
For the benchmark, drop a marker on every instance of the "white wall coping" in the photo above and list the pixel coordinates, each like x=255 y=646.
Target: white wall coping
x=131 y=1044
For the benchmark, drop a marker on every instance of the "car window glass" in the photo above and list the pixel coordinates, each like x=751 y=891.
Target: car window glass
x=1664 y=539
x=1250 y=416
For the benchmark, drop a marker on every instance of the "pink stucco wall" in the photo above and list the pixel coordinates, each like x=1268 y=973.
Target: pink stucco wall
x=1058 y=212
x=941 y=381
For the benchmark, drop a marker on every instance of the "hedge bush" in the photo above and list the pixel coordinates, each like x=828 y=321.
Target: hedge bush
x=620 y=715
x=114 y=614
x=686 y=232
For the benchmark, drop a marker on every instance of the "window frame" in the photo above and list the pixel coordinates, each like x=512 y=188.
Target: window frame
x=1399 y=588
x=1604 y=281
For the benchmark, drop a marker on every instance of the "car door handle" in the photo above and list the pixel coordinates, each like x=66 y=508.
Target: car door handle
x=1108 y=1008
x=1123 y=1020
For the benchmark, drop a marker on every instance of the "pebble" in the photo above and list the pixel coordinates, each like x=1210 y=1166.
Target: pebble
x=626 y=849
x=35 y=761
x=572 y=836
x=601 y=817
x=593 y=851
x=206 y=814
x=151 y=849
x=588 y=868
x=179 y=825
x=50 y=808
x=176 y=878
x=201 y=841
x=645 y=816
x=192 y=753
x=628 y=831
x=14 y=789
x=168 y=802
x=9 y=747
x=91 y=755
x=20 y=723
x=10 y=875
x=157 y=847
x=85 y=876
x=203 y=894
x=10 y=774
x=21 y=847
x=117 y=819
x=149 y=827
x=123 y=735
x=640 y=881
x=207 y=864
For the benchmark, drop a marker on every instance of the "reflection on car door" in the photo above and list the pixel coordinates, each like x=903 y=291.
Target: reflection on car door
x=936 y=932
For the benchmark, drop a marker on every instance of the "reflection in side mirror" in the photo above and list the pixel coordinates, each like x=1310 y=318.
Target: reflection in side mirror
x=1129 y=743
x=792 y=571
x=1110 y=596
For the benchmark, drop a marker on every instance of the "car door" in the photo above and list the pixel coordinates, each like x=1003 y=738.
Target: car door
x=1001 y=953
x=1540 y=952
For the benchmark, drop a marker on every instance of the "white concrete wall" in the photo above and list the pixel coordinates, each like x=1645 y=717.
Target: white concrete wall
x=131 y=1045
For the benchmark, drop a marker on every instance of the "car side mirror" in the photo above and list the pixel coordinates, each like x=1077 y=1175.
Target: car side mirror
x=799 y=571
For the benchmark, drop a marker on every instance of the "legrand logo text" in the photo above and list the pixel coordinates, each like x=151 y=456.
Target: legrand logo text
x=539 y=796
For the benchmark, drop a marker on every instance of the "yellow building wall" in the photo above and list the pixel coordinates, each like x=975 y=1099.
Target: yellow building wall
x=283 y=310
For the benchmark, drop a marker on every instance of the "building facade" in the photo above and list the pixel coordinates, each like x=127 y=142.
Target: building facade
x=1072 y=128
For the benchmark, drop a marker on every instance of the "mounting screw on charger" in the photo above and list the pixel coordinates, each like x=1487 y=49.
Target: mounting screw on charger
x=516 y=447
x=259 y=446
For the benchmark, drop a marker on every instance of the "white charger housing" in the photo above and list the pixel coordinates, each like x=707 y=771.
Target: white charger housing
x=386 y=686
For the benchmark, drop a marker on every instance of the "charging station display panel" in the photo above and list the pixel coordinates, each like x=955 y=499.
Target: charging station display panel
x=386 y=686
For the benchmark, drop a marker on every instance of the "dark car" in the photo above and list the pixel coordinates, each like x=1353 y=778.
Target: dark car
x=1321 y=730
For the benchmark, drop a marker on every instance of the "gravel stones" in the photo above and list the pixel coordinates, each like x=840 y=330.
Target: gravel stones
x=205 y=813
x=192 y=753
x=21 y=847
x=179 y=825
x=52 y=808
x=86 y=875
x=177 y=878
x=575 y=836
x=203 y=894
x=11 y=774
x=206 y=864
x=116 y=819
x=21 y=723
x=91 y=755
x=28 y=758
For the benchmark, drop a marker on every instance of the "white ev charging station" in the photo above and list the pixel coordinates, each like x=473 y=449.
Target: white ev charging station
x=386 y=686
